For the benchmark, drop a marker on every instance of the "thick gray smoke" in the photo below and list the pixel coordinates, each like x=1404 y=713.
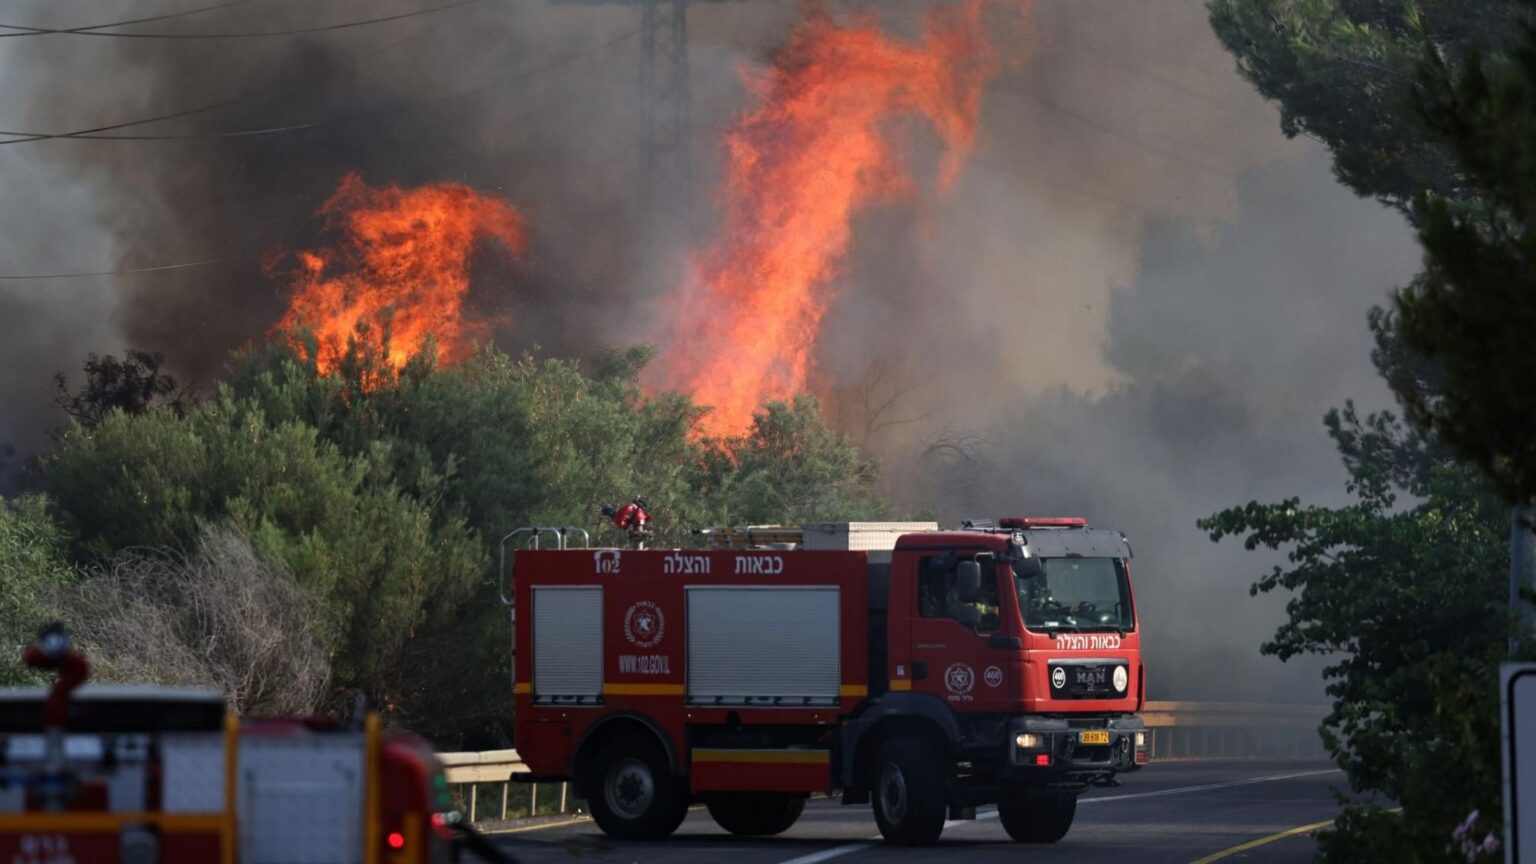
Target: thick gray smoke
x=1136 y=308
x=1135 y=305
x=531 y=102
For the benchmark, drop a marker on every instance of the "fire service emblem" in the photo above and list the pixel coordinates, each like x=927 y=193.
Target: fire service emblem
x=959 y=678
x=644 y=625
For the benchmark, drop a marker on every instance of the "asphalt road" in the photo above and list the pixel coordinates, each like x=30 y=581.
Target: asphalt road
x=1170 y=812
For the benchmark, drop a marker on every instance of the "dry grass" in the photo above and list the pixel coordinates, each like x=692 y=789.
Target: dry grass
x=220 y=616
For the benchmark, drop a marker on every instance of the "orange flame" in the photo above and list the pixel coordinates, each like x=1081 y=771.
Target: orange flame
x=814 y=152
x=401 y=260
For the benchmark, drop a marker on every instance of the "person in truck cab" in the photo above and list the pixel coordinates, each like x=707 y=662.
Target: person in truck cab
x=986 y=606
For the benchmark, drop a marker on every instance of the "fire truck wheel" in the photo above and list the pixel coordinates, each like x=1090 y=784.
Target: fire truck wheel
x=632 y=793
x=909 y=793
x=755 y=814
x=1039 y=817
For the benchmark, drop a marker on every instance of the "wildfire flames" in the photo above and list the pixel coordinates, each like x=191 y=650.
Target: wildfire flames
x=816 y=150
x=401 y=264
x=819 y=146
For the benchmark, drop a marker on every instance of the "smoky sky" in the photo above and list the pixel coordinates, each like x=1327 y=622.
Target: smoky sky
x=1229 y=346
x=1134 y=305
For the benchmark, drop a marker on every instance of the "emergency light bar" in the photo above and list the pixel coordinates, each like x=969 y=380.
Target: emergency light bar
x=1042 y=522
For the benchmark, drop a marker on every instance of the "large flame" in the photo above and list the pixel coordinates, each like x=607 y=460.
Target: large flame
x=799 y=166
x=401 y=265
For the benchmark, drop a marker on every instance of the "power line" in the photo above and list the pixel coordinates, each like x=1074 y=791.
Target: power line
x=1124 y=137
x=79 y=133
x=43 y=136
x=125 y=272
x=92 y=134
x=239 y=258
x=43 y=31
x=36 y=31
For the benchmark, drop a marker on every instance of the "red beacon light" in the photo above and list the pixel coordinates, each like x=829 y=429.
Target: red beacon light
x=1017 y=522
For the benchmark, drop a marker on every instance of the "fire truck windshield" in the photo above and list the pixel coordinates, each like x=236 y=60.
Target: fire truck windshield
x=1079 y=594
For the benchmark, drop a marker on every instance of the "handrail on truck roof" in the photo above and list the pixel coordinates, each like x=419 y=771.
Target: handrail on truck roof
x=534 y=533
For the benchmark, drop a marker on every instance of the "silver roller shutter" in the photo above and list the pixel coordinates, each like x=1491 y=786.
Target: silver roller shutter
x=766 y=645
x=568 y=643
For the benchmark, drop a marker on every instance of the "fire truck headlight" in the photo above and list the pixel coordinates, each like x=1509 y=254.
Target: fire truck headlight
x=1141 y=740
x=1029 y=740
x=1120 y=679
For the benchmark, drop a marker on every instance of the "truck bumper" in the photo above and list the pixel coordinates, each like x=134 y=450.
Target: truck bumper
x=1070 y=750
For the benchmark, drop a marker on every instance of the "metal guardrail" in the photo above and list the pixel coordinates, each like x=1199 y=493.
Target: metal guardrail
x=1177 y=730
x=473 y=770
x=1234 y=730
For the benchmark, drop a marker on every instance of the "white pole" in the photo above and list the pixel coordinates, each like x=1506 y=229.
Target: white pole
x=1522 y=570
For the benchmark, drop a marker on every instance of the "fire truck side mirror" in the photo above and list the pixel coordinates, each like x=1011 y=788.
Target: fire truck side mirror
x=968 y=581
x=1028 y=568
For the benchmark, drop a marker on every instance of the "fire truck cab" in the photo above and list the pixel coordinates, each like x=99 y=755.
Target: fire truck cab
x=923 y=671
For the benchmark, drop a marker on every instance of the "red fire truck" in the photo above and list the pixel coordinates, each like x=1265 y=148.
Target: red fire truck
x=924 y=671
x=154 y=775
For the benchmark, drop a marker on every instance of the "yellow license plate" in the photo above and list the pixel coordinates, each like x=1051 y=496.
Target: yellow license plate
x=1095 y=737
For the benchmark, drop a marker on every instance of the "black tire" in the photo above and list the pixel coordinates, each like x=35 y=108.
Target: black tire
x=907 y=792
x=755 y=814
x=631 y=790
x=1038 y=817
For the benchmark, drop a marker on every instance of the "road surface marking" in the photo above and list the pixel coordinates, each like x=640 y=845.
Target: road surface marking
x=1254 y=844
x=1184 y=790
x=850 y=848
x=827 y=854
x=1262 y=841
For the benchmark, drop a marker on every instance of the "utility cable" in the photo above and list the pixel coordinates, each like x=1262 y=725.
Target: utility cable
x=93 y=134
x=1124 y=137
x=258 y=34
x=43 y=136
x=125 y=272
x=19 y=277
x=43 y=31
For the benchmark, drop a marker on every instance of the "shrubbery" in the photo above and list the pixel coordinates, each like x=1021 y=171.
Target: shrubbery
x=378 y=497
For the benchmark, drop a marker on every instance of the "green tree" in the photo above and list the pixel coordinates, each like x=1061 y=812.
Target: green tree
x=500 y=442
x=1405 y=589
x=133 y=384
x=1473 y=311
x=1344 y=72
x=791 y=467
x=32 y=563
x=338 y=521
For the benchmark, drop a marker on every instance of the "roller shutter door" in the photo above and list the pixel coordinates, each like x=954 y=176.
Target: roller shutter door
x=567 y=643
x=765 y=645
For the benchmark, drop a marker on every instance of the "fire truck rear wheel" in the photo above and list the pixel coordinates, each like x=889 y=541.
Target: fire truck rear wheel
x=1037 y=817
x=632 y=791
x=908 y=793
x=755 y=814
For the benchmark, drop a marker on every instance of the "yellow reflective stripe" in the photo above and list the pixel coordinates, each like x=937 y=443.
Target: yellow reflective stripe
x=230 y=828
x=855 y=690
x=900 y=684
x=778 y=757
x=372 y=785
x=610 y=689
x=522 y=687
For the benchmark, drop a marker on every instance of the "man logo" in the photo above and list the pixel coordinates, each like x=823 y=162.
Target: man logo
x=644 y=624
x=959 y=678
